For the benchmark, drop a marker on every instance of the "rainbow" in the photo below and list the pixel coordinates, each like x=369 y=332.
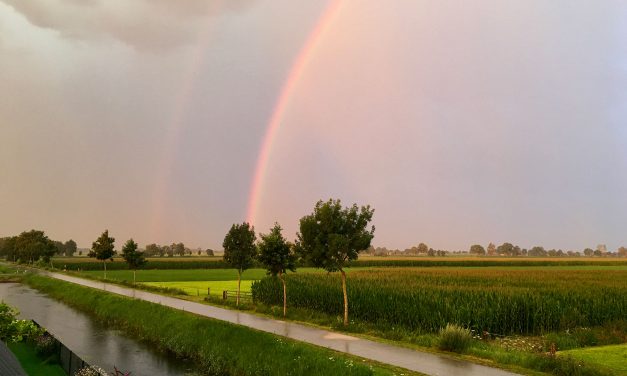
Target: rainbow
x=176 y=122
x=299 y=67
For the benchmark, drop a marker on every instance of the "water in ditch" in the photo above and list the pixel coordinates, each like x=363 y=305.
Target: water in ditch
x=90 y=340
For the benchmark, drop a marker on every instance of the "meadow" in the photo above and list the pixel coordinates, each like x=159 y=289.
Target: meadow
x=610 y=357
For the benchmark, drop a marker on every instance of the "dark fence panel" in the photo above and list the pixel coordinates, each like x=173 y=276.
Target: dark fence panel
x=69 y=361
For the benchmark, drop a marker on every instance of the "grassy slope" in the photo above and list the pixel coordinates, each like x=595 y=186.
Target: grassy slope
x=612 y=357
x=31 y=363
x=220 y=348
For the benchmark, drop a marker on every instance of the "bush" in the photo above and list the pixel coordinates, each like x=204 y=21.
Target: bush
x=45 y=345
x=13 y=330
x=454 y=338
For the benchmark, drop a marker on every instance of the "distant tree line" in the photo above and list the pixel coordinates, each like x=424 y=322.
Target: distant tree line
x=510 y=250
x=178 y=249
x=505 y=250
x=420 y=250
x=32 y=246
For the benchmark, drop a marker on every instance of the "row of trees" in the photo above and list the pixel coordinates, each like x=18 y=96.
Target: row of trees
x=34 y=245
x=508 y=249
x=329 y=238
x=420 y=250
x=103 y=249
x=505 y=249
x=179 y=249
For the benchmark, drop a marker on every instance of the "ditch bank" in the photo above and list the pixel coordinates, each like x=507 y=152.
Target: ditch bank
x=93 y=342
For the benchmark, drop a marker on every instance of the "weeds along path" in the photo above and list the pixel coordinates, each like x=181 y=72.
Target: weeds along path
x=427 y=363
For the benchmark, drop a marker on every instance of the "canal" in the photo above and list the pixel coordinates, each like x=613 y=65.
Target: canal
x=90 y=340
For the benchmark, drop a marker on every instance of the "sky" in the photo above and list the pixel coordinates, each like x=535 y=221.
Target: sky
x=458 y=122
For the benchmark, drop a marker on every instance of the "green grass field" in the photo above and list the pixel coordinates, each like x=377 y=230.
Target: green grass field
x=200 y=287
x=612 y=357
x=179 y=275
x=32 y=364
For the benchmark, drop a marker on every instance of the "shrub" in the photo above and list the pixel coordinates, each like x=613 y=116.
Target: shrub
x=45 y=345
x=454 y=338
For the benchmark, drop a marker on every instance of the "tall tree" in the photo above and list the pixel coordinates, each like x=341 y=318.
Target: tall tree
x=588 y=252
x=59 y=248
x=133 y=257
x=70 y=248
x=168 y=249
x=277 y=256
x=152 y=250
x=7 y=248
x=103 y=249
x=178 y=249
x=239 y=250
x=423 y=248
x=477 y=249
x=491 y=249
x=32 y=245
x=537 y=251
x=506 y=249
x=332 y=236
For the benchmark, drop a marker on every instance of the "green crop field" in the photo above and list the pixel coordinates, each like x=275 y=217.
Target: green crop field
x=496 y=300
x=187 y=275
x=188 y=262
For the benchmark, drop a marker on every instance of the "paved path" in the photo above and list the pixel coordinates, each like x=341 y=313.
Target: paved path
x=427 y=363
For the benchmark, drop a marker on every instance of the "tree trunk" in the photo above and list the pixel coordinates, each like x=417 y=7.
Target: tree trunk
x=345 y=297
x=239 y=280
x=284 y=294
x=134 y=276
x=105 y=269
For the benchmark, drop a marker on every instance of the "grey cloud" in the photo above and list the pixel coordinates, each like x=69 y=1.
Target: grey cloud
x=145 y=25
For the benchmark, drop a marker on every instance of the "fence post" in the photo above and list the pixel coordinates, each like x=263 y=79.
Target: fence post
x=208 y=291
x=225 y=295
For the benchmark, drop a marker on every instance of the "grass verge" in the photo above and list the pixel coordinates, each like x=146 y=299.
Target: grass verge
x=217 y=348
x=611 y=357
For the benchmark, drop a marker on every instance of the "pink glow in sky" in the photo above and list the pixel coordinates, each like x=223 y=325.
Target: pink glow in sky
x=489 y=121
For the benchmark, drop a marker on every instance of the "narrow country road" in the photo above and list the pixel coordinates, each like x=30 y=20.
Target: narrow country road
x=427 y=363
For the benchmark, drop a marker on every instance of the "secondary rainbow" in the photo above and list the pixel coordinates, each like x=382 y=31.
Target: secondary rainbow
x=289 y=86
x=176 y=123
